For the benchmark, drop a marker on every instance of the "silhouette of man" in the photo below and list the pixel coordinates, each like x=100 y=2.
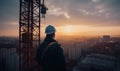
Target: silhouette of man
x=50 y=54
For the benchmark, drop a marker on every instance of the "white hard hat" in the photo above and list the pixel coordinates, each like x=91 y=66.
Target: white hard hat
x=50 y=29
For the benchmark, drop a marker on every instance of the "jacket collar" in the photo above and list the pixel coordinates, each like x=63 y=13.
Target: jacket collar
x=49 y=39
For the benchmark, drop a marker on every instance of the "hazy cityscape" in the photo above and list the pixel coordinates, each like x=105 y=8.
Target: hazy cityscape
x=92 y=54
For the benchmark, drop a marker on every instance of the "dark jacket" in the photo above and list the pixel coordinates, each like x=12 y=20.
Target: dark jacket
x=53 y=59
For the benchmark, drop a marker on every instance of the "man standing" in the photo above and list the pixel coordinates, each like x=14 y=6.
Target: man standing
x=50 y=54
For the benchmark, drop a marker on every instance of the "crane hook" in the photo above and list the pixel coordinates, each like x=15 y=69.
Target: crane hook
x=43 y=10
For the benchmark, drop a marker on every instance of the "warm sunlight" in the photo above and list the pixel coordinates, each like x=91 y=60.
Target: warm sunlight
x=67 y=30
x=84 y=30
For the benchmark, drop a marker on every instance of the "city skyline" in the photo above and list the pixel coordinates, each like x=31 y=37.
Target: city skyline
x=74 y=18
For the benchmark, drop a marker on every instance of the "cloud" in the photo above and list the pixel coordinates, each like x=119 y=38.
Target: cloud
x=96 y=12
x=58 y=11
x=105 y=12
x=95 y=1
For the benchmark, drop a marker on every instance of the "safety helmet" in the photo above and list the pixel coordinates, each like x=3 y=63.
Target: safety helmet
x=50 y=29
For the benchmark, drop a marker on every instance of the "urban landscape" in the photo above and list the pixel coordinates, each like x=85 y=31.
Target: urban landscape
x=95 y=54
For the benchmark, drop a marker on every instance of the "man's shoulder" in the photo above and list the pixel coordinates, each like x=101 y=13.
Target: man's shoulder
x=43 y=44
x=52 y=45
x=56 y=44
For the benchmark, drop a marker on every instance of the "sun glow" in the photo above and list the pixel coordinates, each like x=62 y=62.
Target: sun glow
x=67 y=30
x=84 y=30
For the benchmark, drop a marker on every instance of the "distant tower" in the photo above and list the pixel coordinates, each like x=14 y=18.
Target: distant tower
x=29 y=33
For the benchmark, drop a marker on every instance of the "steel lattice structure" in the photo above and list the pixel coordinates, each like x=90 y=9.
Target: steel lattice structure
x=29 y=33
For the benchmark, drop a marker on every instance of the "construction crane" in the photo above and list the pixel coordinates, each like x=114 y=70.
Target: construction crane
x=29 y=32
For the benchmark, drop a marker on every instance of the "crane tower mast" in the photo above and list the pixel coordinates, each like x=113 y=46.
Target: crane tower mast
x=29 y=33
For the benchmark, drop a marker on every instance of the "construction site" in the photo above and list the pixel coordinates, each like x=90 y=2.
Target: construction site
x=19 y=54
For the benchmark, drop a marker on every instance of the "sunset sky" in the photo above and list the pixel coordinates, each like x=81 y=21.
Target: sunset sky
x=70 y=17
